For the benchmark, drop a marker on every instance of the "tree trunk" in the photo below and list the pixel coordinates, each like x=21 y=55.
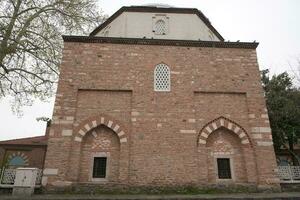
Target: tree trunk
x=295 y=157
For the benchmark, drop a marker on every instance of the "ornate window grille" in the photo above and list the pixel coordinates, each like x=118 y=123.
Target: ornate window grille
x=7 y=176
x=162 y=78
x=160 y=27
x=289 y=173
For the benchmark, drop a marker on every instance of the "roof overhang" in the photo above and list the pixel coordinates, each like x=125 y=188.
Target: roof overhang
x=162 y=42
x=158 y=10
x=29 y=141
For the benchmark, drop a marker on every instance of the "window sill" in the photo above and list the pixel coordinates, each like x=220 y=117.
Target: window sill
x=225 y=180
x=99 y=180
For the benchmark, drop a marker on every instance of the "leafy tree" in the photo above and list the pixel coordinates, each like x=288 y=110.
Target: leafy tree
x=283 y=103
x=297 y=71
x=31 y=44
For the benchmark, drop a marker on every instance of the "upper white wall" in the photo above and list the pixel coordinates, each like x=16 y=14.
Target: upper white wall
x=141 y=24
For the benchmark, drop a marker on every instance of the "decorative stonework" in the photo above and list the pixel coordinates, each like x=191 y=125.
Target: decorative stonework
x=226 y=123
x=18 y=158
x=96 y=121
x=222 y=147
x=100 y=142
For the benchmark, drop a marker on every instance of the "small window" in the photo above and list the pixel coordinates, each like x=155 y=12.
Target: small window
x=224 y=171
x=160 y=27
x=162 y=80
x=99 y=169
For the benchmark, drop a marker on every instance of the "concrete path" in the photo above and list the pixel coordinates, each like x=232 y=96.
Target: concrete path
x=255 y=196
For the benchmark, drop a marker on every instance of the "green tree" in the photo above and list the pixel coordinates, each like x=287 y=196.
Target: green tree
x=31 y=44
x=283 y=103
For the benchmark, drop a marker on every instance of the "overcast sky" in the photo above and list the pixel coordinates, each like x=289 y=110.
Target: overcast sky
x=273 y=23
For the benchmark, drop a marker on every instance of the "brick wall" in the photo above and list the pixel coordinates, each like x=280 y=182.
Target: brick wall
x=223 y=144
x=160 y=132
x=102 y=142
x=33 y=155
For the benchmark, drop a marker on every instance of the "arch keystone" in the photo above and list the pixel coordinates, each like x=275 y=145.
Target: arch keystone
x=222 y=122
x=102 y=120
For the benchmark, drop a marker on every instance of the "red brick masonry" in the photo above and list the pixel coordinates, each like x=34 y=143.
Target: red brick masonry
x=106 y=105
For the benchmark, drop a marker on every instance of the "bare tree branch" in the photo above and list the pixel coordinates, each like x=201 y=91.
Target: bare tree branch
x=31 y=44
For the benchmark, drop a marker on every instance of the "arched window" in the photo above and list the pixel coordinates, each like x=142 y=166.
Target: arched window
x=162 y=79
x=17 y=161
x=160 y=27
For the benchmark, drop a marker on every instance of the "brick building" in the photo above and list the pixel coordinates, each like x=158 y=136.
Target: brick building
x=156 y=97
x=24 y=152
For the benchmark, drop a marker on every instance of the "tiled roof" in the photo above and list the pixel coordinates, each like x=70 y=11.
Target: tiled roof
x=38 y=140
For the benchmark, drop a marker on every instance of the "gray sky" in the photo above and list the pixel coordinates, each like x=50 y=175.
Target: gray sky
x=273 y=23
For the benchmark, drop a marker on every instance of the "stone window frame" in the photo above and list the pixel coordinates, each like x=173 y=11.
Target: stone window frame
x=231 y=160
x=95 y=155
x=157 y=72
x=156 y=19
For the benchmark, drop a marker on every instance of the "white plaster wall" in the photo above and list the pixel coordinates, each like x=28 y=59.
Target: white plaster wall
x=139 y=25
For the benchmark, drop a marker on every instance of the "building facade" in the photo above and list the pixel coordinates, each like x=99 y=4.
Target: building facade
x=156 y=97
x=25 y=152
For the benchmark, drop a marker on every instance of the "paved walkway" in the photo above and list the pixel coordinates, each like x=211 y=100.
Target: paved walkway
x=256 y=196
